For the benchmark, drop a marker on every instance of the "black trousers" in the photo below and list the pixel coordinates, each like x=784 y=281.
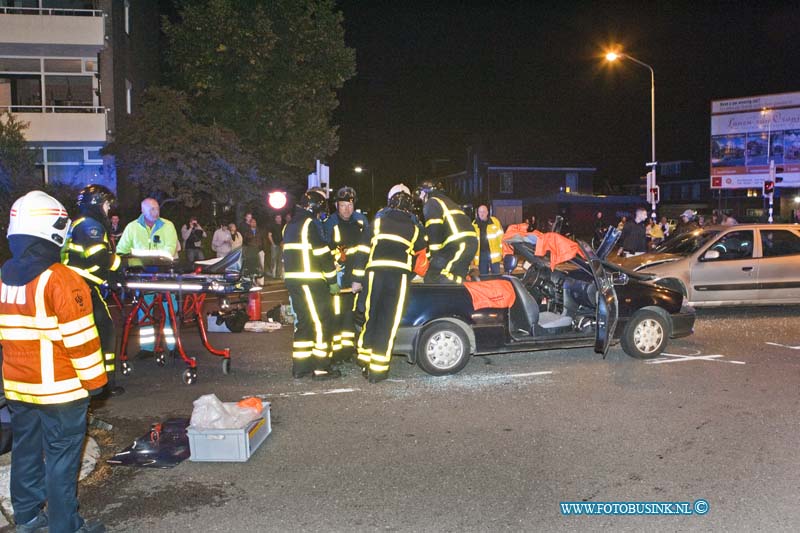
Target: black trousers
x=313 y=328
x=453 y=260
x=344 y=335
x=107 y=332
x=385 y=300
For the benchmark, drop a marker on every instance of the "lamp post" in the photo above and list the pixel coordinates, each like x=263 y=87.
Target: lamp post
x=613 y=56
x=767 y=112
x=359 y=170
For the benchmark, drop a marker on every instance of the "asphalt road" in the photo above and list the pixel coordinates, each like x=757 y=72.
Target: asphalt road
x=496 y=447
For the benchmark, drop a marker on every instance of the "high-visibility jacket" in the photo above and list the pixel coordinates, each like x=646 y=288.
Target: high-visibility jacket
x=494 y=235
x=445 y=222
x=138 y=237
x=349 y=244
x=306 y=257
x=51 y=350
x=395 y=241
x=88 y=251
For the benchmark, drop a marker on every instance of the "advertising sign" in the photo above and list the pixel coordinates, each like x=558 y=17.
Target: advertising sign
x=748 y=133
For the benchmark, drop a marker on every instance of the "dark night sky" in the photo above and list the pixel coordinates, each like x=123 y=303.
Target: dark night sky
x=529 y=81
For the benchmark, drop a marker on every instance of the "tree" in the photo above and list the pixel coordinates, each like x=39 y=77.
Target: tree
x=266 y=69
x=17 y=161
x=167 y=155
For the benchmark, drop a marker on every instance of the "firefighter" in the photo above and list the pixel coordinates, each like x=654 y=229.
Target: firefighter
x=345 y=233
x=395 y=242
x=52 y=363
x=490 y=242
x=89 y=253
x=452 y=240
x=310 y=277
x=150 y=235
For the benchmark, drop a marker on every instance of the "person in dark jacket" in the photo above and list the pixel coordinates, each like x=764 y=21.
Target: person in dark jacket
x=345 y=232
x=452 y=240
x=396 y=240
x=310 y=278
x=634 y=235
x=89 y=253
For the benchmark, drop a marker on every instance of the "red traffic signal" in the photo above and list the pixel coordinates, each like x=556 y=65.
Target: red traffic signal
x=769 y=187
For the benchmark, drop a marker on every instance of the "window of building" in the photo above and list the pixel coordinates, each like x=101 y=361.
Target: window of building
x=68 y=4
x=75 y=166
x=20 y=93
x=69 y=91
x=695 y=191
x=127 y=17
x=68 y=84
x=572 y=182
x=777 y=243
x=128 y=96
x=507 y=182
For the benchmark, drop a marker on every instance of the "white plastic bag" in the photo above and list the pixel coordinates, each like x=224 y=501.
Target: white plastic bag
x=210 y=413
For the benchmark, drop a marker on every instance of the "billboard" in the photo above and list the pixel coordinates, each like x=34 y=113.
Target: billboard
x=748 y=133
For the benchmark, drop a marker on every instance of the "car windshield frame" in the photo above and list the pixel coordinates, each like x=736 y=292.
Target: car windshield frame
x=687 y=243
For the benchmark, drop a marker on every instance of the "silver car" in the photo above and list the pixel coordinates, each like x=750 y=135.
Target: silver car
x=752 y=264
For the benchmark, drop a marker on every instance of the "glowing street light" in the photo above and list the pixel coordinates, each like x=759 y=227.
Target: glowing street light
x=612 y=56
x=277 y=200
x=360 y=170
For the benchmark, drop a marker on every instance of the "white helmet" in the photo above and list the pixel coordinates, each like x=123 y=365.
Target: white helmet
x=396 y=189
x=40 y=215
x=688 y=214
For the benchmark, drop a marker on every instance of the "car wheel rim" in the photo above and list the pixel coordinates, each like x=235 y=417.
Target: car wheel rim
x=444 y=350
x=648 y=335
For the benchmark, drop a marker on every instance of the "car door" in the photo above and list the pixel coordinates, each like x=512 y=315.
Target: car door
x=607 y=311
x=609 y=241
x=726 y=270
x=779 y=265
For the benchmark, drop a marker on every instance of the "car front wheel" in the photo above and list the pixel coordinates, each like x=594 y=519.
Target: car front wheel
x=645 y=335
x=443 y=349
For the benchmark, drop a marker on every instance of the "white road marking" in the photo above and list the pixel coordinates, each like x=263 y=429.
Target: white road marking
x=784 y=345
x=305 y=393
x=678 y=358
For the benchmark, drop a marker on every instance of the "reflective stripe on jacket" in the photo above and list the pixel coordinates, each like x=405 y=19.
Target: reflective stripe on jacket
x=51 y=349
x=395 y=240
x=88 y=251
x=445 y=222
x=305 y=254
x=494 y=234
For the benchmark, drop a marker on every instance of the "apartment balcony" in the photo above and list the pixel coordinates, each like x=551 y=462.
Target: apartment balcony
x=51 y=32
x=62 y=124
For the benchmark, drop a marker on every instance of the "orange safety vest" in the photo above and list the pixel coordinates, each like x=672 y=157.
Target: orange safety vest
x=51 y=349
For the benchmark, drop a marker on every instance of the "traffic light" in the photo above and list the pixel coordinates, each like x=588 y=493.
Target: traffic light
x=769 y=187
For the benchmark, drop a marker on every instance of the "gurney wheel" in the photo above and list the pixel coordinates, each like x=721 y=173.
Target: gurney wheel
x=226 y=366
x=161 y=358
x=189 y=376
x=127 y=368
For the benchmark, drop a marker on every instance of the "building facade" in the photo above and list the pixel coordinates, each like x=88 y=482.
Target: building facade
x=72 y=70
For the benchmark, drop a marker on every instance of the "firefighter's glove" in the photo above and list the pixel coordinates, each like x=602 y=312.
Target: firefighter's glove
x=334 y=288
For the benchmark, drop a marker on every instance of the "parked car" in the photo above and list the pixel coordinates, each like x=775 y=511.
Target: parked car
x=745 y=264
x=581 y=303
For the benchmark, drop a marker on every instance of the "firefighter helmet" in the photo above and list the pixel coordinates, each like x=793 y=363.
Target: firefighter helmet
x=425 y=187
x=314 y=202
x=400 y=198
x=40 y=215
x=346 y=194
x=92 y=197
x=688 y=214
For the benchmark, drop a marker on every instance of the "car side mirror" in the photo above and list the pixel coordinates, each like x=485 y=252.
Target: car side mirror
x=619 y=278
x=710 y=255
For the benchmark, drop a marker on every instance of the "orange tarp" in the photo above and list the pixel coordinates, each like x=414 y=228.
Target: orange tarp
x=561 y=248
x=497 y=293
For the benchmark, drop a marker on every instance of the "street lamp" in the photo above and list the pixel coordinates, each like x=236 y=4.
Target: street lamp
x=359 y=170
x=613 y=56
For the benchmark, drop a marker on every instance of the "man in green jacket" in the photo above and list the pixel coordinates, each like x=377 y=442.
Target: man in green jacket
x=151 y=235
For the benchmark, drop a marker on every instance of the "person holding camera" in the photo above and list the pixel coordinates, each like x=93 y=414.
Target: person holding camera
x=193 y=234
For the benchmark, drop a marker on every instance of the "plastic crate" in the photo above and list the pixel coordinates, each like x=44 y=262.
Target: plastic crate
x=229 y=445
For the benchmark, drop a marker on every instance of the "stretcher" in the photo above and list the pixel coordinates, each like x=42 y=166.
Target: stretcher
x=185 y=294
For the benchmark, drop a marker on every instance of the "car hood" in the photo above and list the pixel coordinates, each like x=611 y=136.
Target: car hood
x=643 y=261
